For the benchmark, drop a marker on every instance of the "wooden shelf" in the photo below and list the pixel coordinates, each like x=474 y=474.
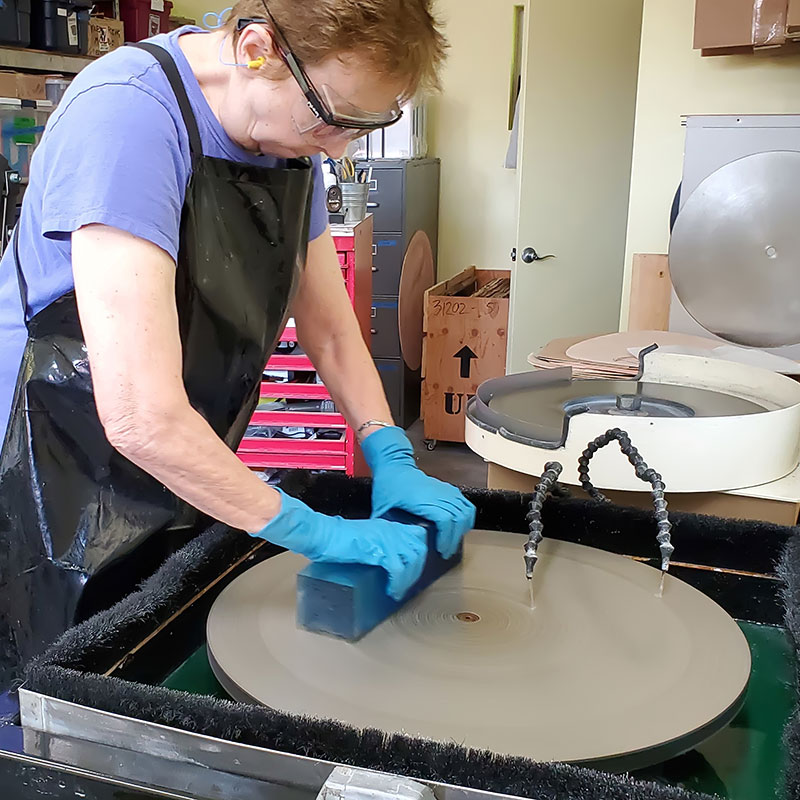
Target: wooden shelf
x=42 y=60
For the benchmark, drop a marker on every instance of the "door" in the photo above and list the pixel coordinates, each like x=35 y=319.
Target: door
x=577 y=113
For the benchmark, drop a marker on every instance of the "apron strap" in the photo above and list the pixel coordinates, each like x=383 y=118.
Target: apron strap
x=21 y=282
x=167 y=63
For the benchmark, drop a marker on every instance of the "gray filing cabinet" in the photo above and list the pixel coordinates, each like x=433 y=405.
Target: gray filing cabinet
x=404 y=199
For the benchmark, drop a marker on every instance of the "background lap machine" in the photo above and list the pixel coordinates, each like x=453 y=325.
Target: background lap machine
x=574 y=649
x=733 y=264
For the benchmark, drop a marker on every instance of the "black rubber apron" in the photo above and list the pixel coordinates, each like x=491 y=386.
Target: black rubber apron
x=79 y=524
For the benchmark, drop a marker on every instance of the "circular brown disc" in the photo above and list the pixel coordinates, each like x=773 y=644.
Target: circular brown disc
x=416 y=278
x=615 y=348
x=602 y=670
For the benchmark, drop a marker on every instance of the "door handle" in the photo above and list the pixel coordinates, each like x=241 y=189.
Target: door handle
x=529 y=255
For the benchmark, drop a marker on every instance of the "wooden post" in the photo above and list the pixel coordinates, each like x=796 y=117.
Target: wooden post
x=651 y=294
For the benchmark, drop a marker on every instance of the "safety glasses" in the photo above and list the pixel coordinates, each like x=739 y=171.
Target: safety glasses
x=327 y=106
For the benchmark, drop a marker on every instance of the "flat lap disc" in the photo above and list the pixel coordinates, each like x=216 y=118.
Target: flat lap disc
x=735 y=251
x=601 y=671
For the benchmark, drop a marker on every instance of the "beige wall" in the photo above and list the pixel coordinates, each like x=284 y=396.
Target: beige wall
x=675 y=80
x=194 y=9
x=469 y=132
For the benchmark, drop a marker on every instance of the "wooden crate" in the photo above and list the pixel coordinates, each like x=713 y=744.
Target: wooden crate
x=464 y=344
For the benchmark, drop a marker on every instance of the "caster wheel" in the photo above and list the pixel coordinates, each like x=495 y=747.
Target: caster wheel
x=431 y=444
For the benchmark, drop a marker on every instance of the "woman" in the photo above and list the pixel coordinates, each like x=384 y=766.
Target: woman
x=170 y=227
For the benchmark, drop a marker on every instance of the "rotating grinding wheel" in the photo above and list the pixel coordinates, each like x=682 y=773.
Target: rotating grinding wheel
x=735 y=251
x=603 y=670
x=415 y=279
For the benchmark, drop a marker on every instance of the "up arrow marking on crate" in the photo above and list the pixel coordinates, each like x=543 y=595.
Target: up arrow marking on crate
x=467 y=356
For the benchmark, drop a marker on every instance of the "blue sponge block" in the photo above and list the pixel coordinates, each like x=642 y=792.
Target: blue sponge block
x=349 y=600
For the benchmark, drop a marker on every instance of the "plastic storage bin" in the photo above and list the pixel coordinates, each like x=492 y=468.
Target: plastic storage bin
x=21 y=128
x=55 y=88
x=61 y=25
x=144 y=18
x=15 y=23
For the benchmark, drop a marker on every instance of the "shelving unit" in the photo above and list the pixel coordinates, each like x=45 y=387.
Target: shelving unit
x=353 y=246
x=42 y=60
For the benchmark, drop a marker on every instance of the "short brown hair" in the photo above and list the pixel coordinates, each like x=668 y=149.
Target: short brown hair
x=402 y=39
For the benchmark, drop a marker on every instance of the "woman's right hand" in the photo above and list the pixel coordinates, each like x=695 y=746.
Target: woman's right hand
x=399 y=549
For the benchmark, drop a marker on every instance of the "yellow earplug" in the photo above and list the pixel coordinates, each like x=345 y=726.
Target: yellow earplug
x=256 y=63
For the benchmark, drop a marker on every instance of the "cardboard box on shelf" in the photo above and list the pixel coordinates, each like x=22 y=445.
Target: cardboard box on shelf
x=31 y=87
x=22 y=85
x=105 y=35
x=8 y=84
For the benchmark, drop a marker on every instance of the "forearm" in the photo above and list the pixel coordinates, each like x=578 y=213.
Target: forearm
x=180 y=450
x=347 y=370
x=125 y=289
x=329 y=333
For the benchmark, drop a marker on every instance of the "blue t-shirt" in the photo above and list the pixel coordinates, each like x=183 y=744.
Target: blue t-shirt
x=114 y=152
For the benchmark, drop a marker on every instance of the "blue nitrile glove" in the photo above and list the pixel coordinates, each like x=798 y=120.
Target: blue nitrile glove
x=399 y=483
x=399 y=549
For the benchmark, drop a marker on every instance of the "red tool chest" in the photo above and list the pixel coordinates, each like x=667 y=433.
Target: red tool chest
x=267 y=445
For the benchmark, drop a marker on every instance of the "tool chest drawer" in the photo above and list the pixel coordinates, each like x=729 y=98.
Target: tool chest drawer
x=309 y=419
x=294 y=390
x=279 y=452
x=292 y=439
x=293 y=363
x=346 y=258
x=384 y=331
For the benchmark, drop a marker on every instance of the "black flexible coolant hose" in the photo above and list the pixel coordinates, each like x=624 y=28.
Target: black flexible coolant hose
x=548 y=484
x=644 y=473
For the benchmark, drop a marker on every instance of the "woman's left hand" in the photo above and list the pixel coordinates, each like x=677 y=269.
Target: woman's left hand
x=399 y=484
